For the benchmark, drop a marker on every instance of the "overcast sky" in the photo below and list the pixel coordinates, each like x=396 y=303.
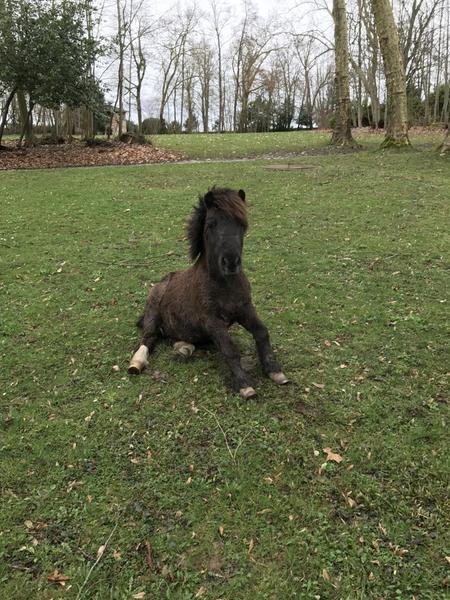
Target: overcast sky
x=297 y=15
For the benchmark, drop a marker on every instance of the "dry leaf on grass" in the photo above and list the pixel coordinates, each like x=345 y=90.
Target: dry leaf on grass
x=332 y=456
x=139 y=595
x=148 y=548
x=57 y=577
x=78 y=154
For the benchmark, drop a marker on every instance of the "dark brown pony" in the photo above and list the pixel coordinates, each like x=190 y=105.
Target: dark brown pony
x=198 y=305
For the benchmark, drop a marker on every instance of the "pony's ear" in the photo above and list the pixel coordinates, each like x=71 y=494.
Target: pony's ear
x=209 y=199
x=241 y=195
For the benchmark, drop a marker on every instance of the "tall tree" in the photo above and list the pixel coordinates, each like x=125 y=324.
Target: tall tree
x=220 y=19
x=342 y=132
x=394 y=70
x=445 y=147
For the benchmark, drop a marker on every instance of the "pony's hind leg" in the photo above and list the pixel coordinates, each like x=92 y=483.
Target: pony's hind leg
x=150 y=324
x=140 y=358
x=184 y=349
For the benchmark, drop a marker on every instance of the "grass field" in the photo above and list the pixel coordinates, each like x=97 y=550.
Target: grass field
x=239 y=145
x=194 y=492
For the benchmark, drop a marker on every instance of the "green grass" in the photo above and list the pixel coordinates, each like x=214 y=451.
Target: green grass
x=243 y=145
x=348 y=267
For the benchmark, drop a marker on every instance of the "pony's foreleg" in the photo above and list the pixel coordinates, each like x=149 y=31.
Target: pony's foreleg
x=225 y=344
x=260 y=334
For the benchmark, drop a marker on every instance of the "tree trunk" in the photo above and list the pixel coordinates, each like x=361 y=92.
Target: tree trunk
x=87 y=123
x=396 y=105
x=342 y=133
x=444 y=148
x=68 y=123
x=25 y=118
x=5 y=113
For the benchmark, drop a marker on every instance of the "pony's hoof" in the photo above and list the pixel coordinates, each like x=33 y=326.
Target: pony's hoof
x=139 y=361
x=184 y=349
x=247 y=392
x=279 y=378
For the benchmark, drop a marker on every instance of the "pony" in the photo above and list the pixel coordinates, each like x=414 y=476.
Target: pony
x=197 y=306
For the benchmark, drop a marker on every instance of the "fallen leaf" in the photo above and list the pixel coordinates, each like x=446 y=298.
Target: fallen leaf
x=100 y=551
x=251 y=545
x=349 y=500
x=58 y=578
x=332 y=456
x=325 y=575
x=148 y=547
x=73 y=485
x=28 y=524
x=320 y=386
x=447 y=558
x=117 y=555
x=139 y=595
x=221 y=530
x=89 y=417
x=115 y=368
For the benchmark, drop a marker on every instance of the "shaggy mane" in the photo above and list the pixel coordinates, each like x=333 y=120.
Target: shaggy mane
x=226 y=201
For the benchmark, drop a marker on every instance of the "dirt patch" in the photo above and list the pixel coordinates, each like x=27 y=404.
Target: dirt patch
x=78 y=154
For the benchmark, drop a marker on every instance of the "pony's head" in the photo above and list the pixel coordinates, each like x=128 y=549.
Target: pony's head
x=216 y=230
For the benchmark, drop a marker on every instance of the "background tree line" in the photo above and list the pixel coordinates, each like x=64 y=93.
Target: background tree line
x=211 y=69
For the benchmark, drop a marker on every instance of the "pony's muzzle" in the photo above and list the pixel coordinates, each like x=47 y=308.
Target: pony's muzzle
x=231 y=264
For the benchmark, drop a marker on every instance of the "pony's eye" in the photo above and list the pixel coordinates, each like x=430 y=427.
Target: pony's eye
x=211 y=223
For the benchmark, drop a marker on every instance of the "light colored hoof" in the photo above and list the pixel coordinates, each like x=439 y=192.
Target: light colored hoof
x=184 y=349
x=279 y=378
x=139 y=361
x=247 y=392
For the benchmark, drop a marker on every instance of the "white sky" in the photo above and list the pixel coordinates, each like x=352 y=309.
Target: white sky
x=297 y=15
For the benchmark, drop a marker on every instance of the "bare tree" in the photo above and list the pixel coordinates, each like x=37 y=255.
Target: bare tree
x=203 y=58
x=253 y=48
x=220 y=17
x=140 y=65
x=173 y=58
x=396 y=112
x=342 y=133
